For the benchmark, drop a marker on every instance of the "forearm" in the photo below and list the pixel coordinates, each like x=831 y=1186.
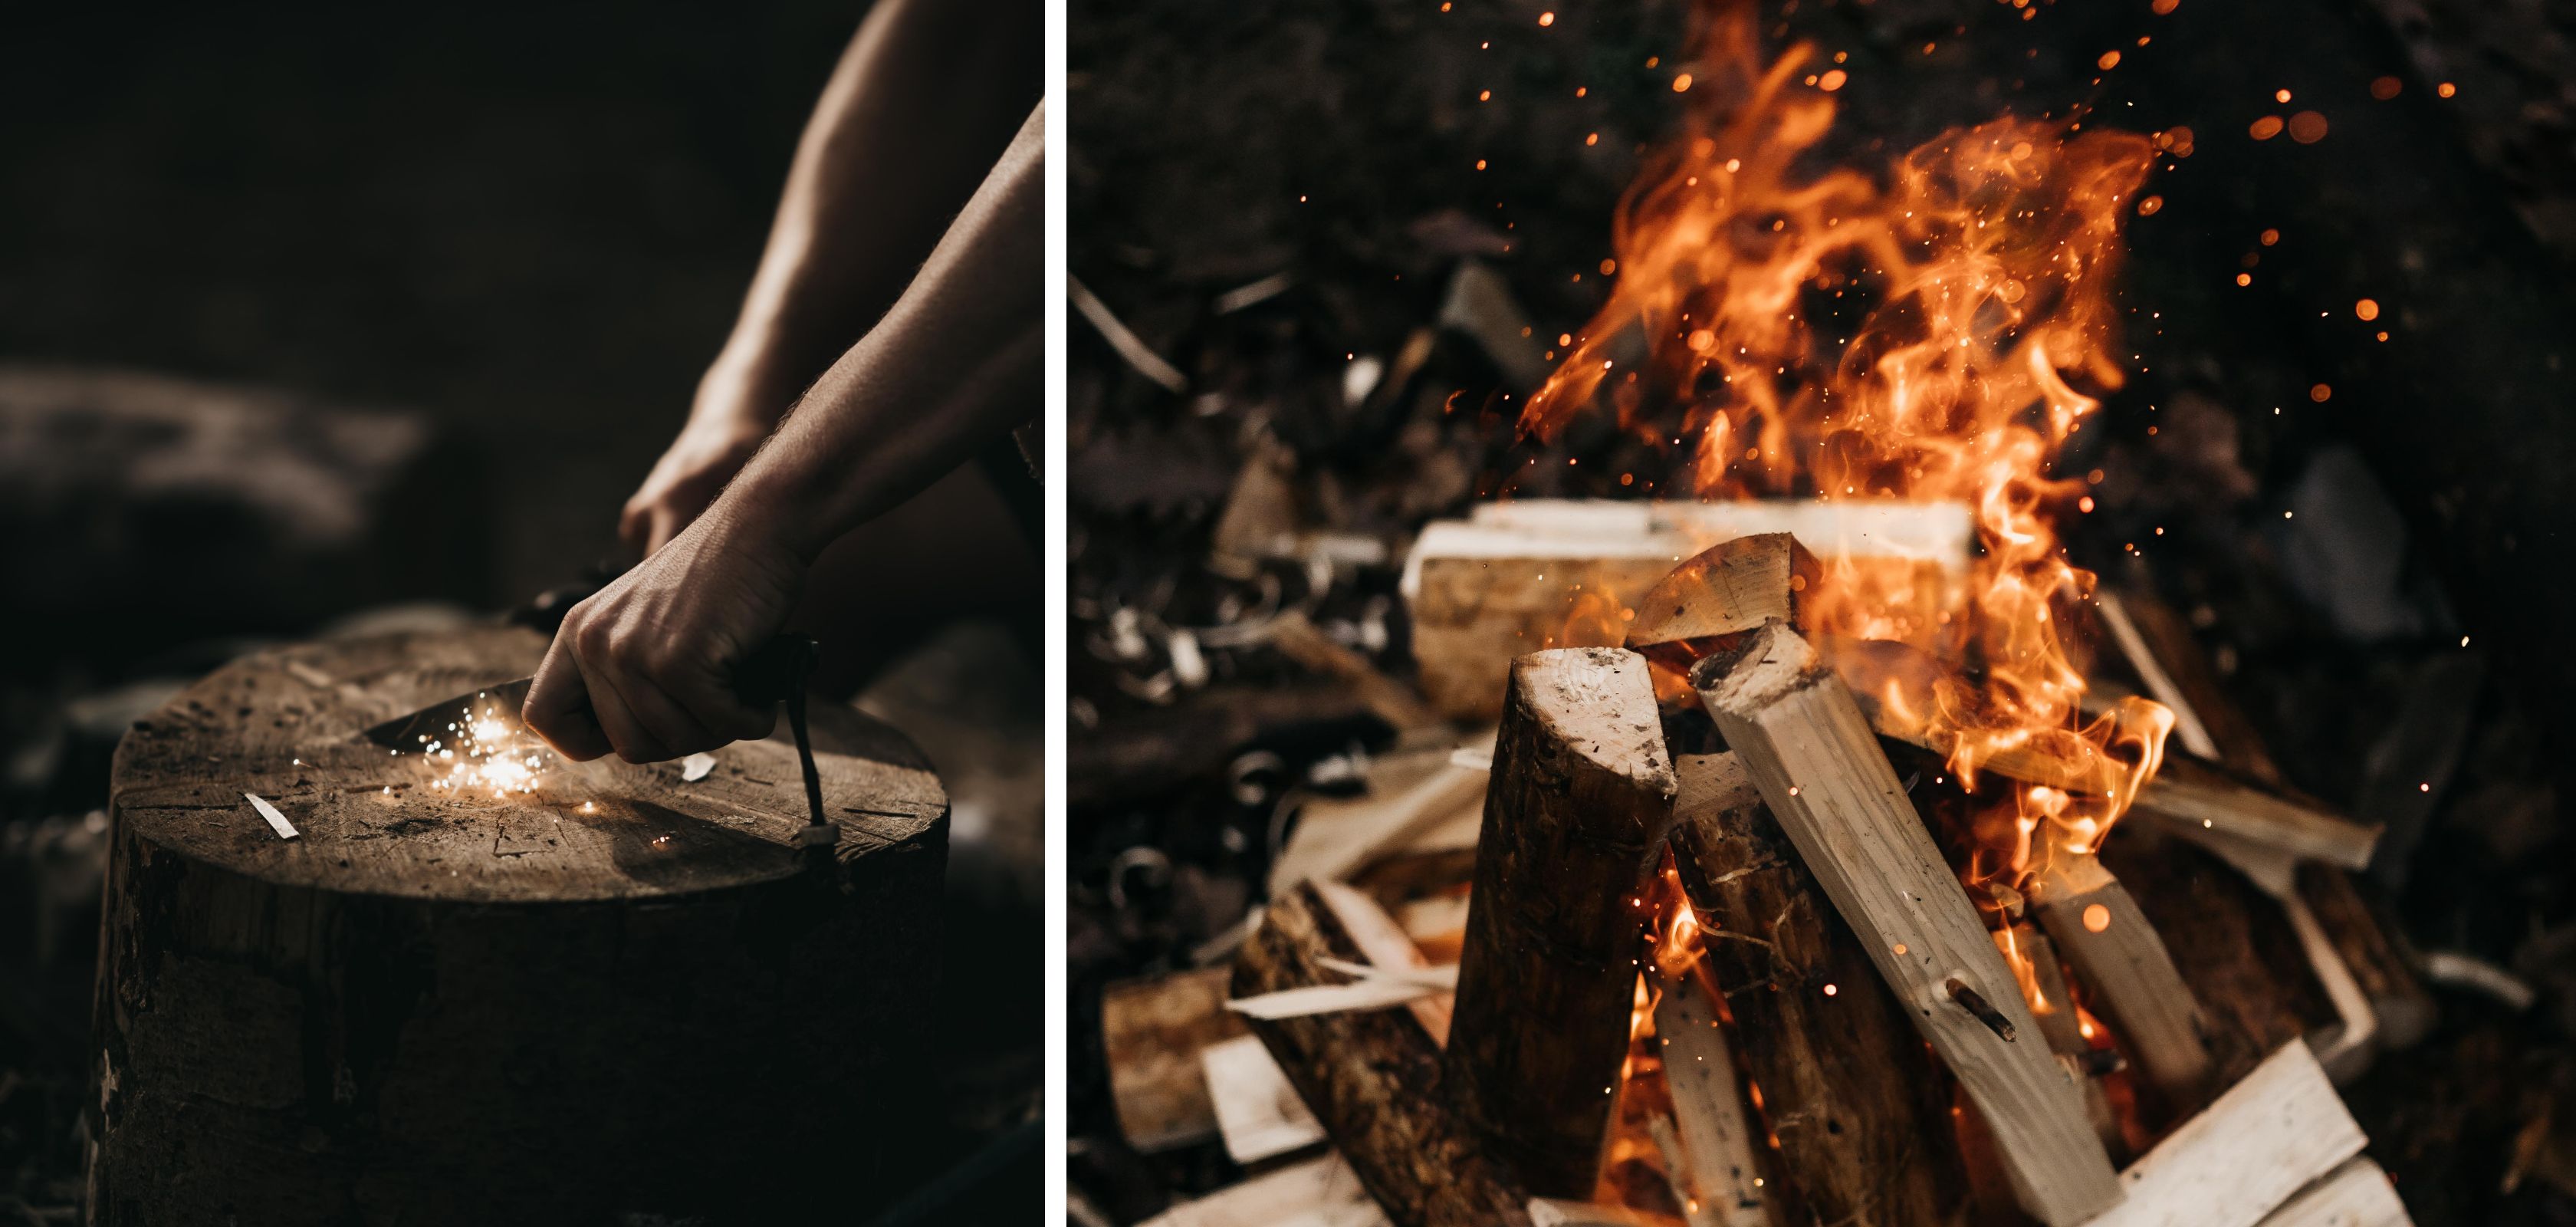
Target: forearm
x=955 y=363
x=926 y=94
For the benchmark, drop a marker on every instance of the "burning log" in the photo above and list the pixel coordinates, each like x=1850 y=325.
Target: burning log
x=1370 y=1077
x=1580 y=798
x=1854 y=1100
x=2054 y=1007
x=2134 y=984
x=1819 y=768
x=1539 y=573
x=384 y=1011
x=2246 y=1154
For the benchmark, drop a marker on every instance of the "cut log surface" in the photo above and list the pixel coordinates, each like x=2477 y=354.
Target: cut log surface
x=621 y=992
x=2092 y=920
x=1820 y=770
x=1727 y=589
x=1372 y=1078
x=1575 y=815
x=2244 y=1155
x=1854 y=1098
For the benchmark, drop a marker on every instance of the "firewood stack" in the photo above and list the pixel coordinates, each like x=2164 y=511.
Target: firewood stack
x=1716 y=964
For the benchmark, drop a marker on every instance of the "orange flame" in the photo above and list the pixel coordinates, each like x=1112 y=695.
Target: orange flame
x=1920 y=334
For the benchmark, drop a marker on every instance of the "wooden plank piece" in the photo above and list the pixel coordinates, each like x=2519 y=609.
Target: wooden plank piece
x=2132 y=979
x=1820 y=770
x=2246 y=1154
x=2358 y=1194
x=1257 y=1111
x=1723 y=1155
x=1320 y=1192
x=1581 y=796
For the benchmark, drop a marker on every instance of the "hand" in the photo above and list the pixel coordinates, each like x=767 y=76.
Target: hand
x=645 y=667
x=733 y=414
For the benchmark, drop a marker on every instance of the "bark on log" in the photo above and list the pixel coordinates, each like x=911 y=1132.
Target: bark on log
x=1858 y=1106
x=1576 y=811
x=619 y=993
x=1372 y=1078
x=1800 y=735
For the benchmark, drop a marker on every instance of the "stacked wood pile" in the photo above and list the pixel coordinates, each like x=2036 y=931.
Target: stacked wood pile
x=1709 y=963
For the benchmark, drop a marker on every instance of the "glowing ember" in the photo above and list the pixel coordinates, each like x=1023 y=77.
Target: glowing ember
x=1936 y=333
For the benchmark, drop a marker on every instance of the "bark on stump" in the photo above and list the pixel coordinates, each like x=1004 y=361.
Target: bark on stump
x=434 y=1008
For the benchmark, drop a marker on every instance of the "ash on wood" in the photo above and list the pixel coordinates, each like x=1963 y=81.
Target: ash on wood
x=1860 y=1111
x=619 y=993
x=1371 y=1077
x=1576 y=811
x=1820 y=769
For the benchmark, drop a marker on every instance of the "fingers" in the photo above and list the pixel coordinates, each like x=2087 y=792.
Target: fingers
x=634 y=743
x=558 y=707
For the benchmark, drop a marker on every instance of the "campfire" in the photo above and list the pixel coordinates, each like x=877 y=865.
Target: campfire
x=1828 y=860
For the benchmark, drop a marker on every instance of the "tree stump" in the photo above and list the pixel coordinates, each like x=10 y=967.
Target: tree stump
x=620 y=993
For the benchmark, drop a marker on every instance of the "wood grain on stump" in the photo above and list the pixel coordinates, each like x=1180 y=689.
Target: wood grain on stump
x=622 y=992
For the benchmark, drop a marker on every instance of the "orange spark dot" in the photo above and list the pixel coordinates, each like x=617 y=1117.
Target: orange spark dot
x=1547 y=19
x=2085 y=504
x=1900 y=947
x=2367 y=308
x=2383 y=336
x=2270 y=237
x=2148 y=206
x=2385 y=88
x=1565 y=338
x=1832 y=80
x=1484 y=95
x=1608 y=267
x=2162 y=7
x=2446 y=89
x=2096 y=918
x=1593 y=139
x=2307 y=127
x=2319 y=393
x=1830 y=990
x=2265 y=128
x=1581 y=90
x=2244 y=278
x=2280 y=95
x=1480 y=164
x=2109 y=60
x=1681 y=83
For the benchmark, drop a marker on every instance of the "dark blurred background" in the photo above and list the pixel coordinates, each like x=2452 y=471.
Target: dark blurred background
x=1336 y=244
x=319 y=318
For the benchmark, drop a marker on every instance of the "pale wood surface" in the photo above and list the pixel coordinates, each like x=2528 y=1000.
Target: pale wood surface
x=1372 y=1078
x=1575 y=816
x=2245 y=1154
x=1417 y=802
x=2131 y=978
x=1855 y=1101
x=1153 y=1031
x=1256 y=1110
x=268 y=724
x=2358 y=1194
x=1726 y=589
x=1383 y=943
x=1824 y=777
x=1718 y=1141
x=1320 y=1192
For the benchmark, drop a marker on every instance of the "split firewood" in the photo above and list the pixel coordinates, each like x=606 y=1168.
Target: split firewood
x=2130 y=976
x=1580 y=799
x=1790 y=721
x=1152 y=1031
x=1310 y=1000
x=2246 y=1154
x=2054 y=1007
x=1853 y=1099
x=1417 y=801
x=2386 y=974
x=1727 y=589
x=1298 y=639
x=1384 y=945
x=2358 y=1194
x=1720 y=1171
x=1540 y=573
x=1372 y=1079
x=1564 y=1212
x=1320 y=1192
x=1258 y=1113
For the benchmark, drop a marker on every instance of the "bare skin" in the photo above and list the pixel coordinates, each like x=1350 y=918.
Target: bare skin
x=643 y=669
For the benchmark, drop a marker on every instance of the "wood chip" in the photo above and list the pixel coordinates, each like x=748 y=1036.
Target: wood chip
x=276 y=821
x=696 y=766
x=1256 y=1109
x=1370 y=994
